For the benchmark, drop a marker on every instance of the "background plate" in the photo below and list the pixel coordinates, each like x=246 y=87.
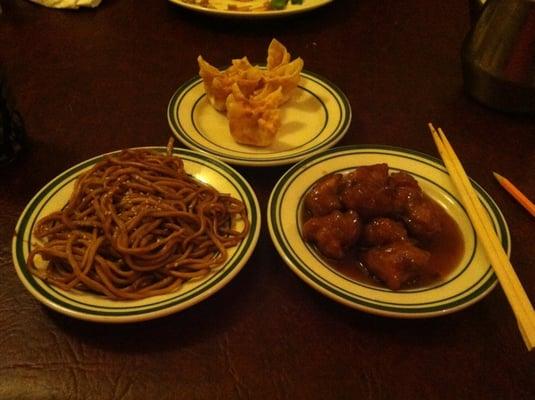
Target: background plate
x=468 y=283
x=96 y=308
x=220 y=8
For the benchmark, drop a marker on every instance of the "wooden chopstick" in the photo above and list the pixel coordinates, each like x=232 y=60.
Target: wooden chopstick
x=516 y=193
x=507 y=277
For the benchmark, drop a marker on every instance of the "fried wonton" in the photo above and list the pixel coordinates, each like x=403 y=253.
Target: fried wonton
x=254 y=120
x=218 y=84
x=251 y=96
x=277 y=55
x=280 y=71
x=287 y=76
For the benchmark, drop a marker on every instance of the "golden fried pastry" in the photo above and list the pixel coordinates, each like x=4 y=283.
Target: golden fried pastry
x=216 y=93
x=252 y=96
x=277 y=55
x=286 y=76
x=254 y=120
x=218 y=84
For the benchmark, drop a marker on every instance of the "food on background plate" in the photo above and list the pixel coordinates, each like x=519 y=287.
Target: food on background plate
x=244 y=5
x=136 y=225
x=251 y=96
x=381 y=228
x=280 y=4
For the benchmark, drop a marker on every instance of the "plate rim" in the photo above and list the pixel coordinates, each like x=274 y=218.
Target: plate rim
x=477 y=290
x=251 y=14
x=343 y=124
x=169 y=304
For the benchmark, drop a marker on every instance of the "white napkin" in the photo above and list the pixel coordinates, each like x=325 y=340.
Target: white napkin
x=68 y=3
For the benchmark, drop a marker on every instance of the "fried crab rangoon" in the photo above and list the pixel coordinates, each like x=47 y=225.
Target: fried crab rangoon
x=254 y=120
x=218 y=85
x=252 y=96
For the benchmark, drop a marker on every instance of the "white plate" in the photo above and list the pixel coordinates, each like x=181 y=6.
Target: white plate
x=220 y=8
x=96 y=308
x=316 y=118
x=468 y=283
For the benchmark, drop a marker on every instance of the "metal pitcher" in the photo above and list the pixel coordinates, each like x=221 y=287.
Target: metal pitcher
x=498 y=55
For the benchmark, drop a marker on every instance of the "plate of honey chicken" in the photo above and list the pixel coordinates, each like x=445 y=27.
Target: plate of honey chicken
x=381 y=229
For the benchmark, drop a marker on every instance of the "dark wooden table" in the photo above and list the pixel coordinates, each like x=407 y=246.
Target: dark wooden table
x=92 y=81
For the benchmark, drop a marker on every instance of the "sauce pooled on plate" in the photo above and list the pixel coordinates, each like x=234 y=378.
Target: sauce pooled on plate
x=381 y=229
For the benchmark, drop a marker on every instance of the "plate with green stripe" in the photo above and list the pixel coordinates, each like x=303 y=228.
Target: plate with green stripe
x=314 y=119
x=93 y=307
x=470 y=281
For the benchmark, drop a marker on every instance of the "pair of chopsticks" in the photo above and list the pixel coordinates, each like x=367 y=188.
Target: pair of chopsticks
x=519 y=301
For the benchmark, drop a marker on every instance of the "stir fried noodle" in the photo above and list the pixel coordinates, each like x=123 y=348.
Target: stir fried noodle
x=137 y=225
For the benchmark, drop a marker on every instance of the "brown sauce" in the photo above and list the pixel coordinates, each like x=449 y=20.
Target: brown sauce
x=446 y=249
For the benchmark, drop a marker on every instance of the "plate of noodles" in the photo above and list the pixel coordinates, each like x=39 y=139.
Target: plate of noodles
x=315 y=118
x=250 y=8
x=469 y=279
x=136 y=234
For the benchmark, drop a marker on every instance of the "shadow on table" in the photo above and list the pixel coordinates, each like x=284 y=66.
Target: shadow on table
x=446 y=331
x=187 y=328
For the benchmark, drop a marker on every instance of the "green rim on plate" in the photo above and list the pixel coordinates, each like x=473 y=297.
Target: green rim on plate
x=467 y=284
x=95 y=308
x=316 y=118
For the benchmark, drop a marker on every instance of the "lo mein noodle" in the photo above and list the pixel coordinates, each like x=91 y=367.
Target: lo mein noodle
x=136 y=225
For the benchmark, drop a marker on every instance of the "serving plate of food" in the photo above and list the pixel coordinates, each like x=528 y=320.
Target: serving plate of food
x=381 y=229
x=267 y=115
x=136 y=234
x=251 y=8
